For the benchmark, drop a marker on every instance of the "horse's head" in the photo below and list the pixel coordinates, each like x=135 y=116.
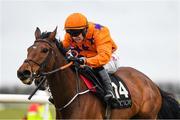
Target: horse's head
x=40 y=57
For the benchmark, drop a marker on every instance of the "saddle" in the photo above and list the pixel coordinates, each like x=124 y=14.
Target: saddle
x=122 y=95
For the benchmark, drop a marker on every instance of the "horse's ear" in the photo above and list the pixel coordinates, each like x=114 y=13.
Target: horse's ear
x=37 y=33
x=53 y=34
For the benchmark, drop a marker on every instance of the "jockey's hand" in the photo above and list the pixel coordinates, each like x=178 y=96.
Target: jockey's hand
x=70 y=58
x=81 y=60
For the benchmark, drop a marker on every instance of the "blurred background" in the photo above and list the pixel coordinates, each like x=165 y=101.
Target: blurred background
x=147 y=33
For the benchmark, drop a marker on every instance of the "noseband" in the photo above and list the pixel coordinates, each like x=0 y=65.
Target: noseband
x=43 y=65
x=43 y=74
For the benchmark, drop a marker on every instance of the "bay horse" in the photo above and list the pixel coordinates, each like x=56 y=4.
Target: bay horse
x=44 y=56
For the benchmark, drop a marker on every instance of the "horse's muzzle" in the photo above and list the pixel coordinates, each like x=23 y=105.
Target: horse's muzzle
x=24 y=76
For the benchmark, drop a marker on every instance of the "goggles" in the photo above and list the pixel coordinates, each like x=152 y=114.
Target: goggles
x=75 y=33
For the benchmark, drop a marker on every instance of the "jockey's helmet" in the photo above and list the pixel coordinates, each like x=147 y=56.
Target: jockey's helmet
x=76 y=21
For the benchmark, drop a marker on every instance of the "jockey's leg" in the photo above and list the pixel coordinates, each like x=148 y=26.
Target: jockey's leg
x=107 y=84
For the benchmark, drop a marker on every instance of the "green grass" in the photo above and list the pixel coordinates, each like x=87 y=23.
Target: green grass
x=12 y=113
x=17 y=112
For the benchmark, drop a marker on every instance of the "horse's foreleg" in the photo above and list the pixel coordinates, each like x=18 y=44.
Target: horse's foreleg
x=58 y=115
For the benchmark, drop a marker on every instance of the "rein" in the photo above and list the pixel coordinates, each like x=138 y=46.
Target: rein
x=44 y=74
x=42 y=65
x=58 y=69
x=44 y=77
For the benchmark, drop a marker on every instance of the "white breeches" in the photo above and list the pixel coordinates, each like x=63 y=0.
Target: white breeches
x=113 y=64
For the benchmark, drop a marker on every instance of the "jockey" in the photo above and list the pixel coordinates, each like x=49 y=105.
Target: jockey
x=93 y=43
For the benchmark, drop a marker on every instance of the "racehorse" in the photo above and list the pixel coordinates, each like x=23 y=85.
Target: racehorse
x=44 y=56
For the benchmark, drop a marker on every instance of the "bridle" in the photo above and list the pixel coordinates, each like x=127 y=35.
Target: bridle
x=42 y=65
x=44 y=74
x=46 y=60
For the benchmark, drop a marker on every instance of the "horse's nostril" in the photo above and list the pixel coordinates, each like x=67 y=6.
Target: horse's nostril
x=23 y=75
x=26 y=73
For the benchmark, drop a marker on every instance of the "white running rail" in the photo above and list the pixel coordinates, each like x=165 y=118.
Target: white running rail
x=19 y=98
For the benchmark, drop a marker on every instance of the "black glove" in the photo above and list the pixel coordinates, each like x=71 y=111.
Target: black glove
x=81 y=60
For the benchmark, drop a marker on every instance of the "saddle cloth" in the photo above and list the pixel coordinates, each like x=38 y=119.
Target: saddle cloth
x=121 y=91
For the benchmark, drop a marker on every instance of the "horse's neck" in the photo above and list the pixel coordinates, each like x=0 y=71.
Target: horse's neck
x=63 y=88
x=62 y=84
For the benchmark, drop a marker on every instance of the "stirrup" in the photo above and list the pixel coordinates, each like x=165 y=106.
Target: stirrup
x=109 y=96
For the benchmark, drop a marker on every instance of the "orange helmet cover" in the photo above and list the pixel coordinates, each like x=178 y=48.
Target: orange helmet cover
x=76 y=21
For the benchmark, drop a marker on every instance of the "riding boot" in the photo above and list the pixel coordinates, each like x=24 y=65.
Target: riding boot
x=107 y=84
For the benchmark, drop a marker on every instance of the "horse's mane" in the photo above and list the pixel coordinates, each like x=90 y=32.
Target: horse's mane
x=45 y=35
x=58 y=43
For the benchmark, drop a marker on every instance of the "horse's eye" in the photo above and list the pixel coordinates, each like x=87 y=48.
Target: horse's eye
x=45 y=50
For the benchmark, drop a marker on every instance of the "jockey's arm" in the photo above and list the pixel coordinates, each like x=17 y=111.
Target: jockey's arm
x=104 y=49
x=103 y=56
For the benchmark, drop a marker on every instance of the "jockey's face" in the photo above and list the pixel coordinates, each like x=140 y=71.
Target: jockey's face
x=78 y=39
x=76 y=35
